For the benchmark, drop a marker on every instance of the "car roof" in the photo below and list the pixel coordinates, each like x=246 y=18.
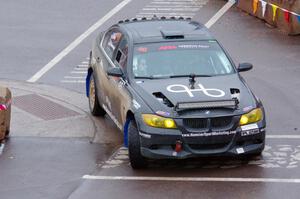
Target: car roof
x=159 y=30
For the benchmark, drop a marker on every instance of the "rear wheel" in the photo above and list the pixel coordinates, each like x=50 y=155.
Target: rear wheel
x=94 y=105
x=137 y=161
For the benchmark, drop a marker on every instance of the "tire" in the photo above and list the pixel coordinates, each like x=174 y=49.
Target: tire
x=94 y=105
x=137 y=161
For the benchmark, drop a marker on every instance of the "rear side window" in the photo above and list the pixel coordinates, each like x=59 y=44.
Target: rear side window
x=122 y=53
x=111 y=41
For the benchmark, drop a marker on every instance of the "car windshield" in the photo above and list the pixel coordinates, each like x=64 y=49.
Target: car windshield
x=179 y=59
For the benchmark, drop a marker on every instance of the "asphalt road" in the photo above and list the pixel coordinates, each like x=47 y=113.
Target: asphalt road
x=33 y=32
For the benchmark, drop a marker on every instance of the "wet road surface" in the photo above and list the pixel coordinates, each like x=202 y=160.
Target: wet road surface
x=35 y=167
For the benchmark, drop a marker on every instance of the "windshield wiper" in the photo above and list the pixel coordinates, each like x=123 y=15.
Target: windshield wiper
x=176 y=76
x=151 y=77
x=144 y=77
x=171 y=76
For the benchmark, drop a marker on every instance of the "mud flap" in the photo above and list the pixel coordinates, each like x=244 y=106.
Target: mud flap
x=126 y=132
x=87 y=82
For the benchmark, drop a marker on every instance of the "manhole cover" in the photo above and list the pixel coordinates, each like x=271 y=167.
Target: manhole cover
x=42 y=107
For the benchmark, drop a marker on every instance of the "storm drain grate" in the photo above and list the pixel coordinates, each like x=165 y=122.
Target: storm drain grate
x=42 y=107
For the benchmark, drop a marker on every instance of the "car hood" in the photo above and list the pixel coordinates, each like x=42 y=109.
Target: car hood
x=178 y=90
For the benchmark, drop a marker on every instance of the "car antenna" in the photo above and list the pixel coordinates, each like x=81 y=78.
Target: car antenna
x=192 y=80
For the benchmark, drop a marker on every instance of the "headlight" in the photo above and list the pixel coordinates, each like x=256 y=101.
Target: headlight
x=159 y=122
x=251 y=117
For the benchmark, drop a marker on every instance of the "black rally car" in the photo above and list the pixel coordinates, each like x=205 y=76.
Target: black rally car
x=173 y=91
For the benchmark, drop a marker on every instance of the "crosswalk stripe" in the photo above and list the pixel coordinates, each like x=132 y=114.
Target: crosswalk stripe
x=172 y=9
x=79 y=72
x=81 y=68
x=72 y=81
x=83 y=65
x=73 y=77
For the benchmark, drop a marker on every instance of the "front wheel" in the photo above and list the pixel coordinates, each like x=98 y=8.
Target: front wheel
x=94 y=105
x=137 y=161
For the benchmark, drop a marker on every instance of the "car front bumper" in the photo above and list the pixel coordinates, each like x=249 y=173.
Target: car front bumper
x=241 y=142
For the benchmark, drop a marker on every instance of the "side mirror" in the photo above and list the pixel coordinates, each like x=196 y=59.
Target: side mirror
x=115 y=72
x=244 y=67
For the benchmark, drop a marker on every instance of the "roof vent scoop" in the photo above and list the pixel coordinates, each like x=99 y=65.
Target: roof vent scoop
x=172 y=34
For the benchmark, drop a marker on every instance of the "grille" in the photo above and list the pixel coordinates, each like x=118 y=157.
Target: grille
x=195 y=123
x=221 y=122
x=202 y=123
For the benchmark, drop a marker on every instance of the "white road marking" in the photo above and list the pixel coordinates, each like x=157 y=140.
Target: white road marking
x=80 y=68
x=85 y=62
x=176 y=8
x=176 y=0
x=189 y=1
x=181 y=2
x=159 y=15
x=79 y=72
x=191 y=179
x=172 y=6
x=173 y=9
x=73 y=81
x=166 y=14
x=83 y=65
x=220 y=13
x=77 y=41
x=73 y=77
x=283 y=136
x=2 y=145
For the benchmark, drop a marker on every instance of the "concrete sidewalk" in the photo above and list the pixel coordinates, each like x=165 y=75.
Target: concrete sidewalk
x=40 y=110
x=49 y=148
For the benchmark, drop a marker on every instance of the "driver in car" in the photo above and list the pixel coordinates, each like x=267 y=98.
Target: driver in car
x=141 y=70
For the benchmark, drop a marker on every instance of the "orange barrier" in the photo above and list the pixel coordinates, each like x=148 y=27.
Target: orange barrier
x=284 y=14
